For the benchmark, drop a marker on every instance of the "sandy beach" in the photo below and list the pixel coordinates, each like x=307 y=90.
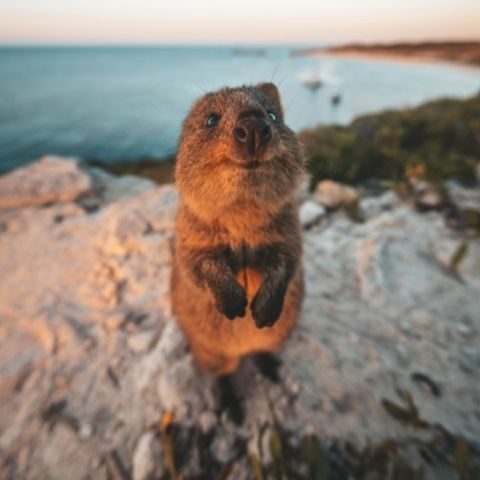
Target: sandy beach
x=459 y=53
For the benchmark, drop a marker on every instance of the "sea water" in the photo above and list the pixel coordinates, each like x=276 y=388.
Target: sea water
x=125 y=103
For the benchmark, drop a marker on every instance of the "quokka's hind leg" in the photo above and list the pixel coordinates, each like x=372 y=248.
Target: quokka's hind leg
x=221 y=366
x=212 y=362
x=229 y=399
x=268 y=365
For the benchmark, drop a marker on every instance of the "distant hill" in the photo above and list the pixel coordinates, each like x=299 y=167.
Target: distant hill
x=467 y=52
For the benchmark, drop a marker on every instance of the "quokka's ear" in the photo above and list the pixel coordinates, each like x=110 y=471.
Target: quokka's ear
x=271 y=91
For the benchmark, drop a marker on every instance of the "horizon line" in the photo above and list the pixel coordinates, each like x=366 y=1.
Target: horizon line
x=231 y=43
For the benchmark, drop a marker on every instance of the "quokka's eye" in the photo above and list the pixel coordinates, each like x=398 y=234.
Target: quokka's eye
x=272 y=115
x=213 y=120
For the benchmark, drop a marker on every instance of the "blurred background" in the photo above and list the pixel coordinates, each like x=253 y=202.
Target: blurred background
x=113 y=81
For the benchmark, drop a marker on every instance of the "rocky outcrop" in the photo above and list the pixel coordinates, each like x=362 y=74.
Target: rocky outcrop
x=91 y=358
x=333 y=194
x=311 y=212
x=52 y=179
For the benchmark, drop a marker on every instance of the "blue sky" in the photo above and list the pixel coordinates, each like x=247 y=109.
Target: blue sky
x=251 y=21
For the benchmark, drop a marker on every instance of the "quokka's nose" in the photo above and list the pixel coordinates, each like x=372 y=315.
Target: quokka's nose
x=253 y=131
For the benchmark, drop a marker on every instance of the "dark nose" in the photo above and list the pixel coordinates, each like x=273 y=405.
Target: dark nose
x=253 y=131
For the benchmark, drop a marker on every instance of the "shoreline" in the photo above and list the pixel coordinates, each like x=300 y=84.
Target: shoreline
x=457 y=54
x=396 y=58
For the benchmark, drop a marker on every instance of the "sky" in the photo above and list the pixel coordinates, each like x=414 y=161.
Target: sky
x=239 y=21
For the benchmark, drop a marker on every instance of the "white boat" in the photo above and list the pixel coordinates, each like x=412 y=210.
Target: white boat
x=313 y=82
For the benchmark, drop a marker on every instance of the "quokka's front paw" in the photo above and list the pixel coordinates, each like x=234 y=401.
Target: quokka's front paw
x=231 y=301
x=267 y=306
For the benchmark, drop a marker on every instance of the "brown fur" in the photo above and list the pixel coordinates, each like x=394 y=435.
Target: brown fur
x=238 y=237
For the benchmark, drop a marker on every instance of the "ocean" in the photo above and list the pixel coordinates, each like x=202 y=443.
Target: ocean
x=124 y=103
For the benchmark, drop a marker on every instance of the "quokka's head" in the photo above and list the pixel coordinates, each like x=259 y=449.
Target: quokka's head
x=236 y=147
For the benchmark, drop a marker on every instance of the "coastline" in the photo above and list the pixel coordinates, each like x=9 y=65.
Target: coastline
x=458 y=55
x=397 y=58
x=115 y=133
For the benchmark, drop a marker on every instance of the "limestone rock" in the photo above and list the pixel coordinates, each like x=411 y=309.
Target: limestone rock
x=110 y=188
x=426 y=195
x=310 y=213
x=224 y=448
x=183 y=389
x=333 y=194
x=52 y=179
x=464 y=197
x=207 y=421
x=142 y=341
x=147 y=462
x=170 y=347
x=91 y=358
x=372 y=206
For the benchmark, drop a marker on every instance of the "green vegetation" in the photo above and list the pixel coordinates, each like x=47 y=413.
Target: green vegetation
x=443 y=136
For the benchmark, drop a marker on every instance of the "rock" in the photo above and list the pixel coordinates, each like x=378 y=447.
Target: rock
x=170 y=347
x=426 y=195
x=207 y=421
x=85 y=430
x=51 y=179
x=25 y=343
x=110 y=188
x=384 y=270
x=75 y=281
x=224 y=447
x=184 y=390
x=310 y=213
x=20 y=354
x=91 y=357
x=463 y=197
x=333 y=194
x=147 y=462
x=374 y=206
x=142 y=341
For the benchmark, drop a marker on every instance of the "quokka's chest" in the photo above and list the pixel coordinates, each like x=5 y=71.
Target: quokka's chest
x=248 y=265
x=241 y=256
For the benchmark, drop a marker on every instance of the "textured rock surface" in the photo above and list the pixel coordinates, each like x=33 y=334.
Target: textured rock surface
x=91 y=358
x=147 y=458
x=52 y=179
x=333 y=194
x=311 y=213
